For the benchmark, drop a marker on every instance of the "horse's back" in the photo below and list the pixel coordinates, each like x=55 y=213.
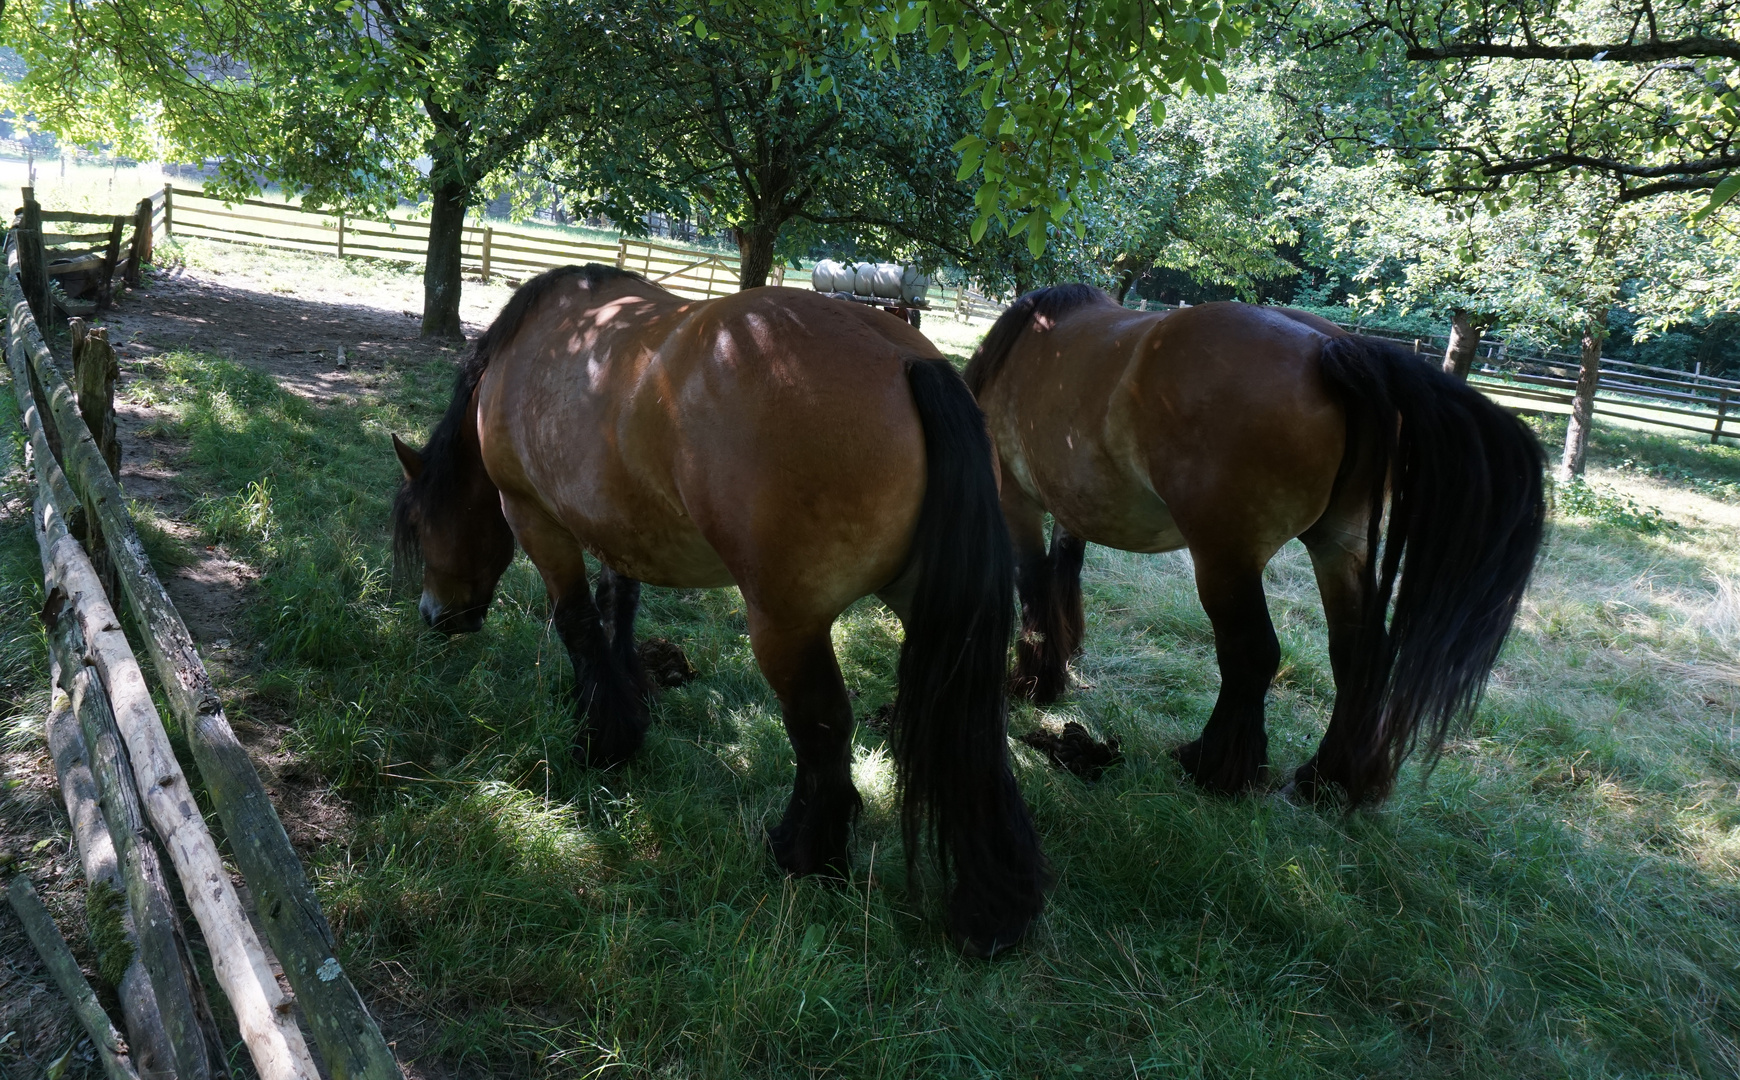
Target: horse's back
x=767 y=438
x=1149 y=431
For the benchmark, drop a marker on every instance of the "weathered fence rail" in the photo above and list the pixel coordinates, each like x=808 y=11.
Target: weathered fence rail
x=73 y=471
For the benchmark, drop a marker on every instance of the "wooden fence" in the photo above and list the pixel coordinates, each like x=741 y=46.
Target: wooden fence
x=1662 y=397
x=105 y=722
x=487 y=251
x=73 y=270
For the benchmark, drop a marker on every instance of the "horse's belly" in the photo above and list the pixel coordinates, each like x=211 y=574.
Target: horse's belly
x=1133 y=521
x=674 y=558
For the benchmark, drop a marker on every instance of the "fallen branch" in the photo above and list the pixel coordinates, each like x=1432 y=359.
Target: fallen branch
x=58 y=958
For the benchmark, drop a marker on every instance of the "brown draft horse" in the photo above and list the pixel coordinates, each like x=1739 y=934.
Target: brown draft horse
x=1231 y=429
x=808 y=451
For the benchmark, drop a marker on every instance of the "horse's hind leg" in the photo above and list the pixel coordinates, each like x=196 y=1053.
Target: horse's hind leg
x=1049 y=585
x=798 y=660
x=1337 y=550
x=1233 y=749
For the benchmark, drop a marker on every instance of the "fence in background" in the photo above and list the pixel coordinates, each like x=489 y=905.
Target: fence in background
x=1663 y=397
x=75 y=271
x=486 y=250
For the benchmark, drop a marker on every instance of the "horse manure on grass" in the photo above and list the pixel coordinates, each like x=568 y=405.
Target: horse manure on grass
x=665 y=662
x=1075 y=750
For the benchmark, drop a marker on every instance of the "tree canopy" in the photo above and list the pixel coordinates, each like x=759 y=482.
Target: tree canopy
x=702 y=128
x=1508 y=91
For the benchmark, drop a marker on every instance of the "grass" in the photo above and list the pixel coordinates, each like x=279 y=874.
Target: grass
x=1561 y=898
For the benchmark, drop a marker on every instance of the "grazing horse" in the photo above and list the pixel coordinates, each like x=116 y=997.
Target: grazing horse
x=1230 y=429
x=807 y=451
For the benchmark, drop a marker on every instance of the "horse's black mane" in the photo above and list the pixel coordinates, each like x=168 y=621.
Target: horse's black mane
x=1048 y=302
x=440 y=457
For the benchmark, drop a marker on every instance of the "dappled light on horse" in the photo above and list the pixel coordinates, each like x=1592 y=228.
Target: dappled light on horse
x=1231 y=429
x=807 y=451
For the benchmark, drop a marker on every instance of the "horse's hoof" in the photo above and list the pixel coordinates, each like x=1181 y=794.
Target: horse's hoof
x=1037 y=691
x=1226 y=778
x=989 y=943
x=601 y=750
x=1038 y=683
x=1188 y=755
x=799 y=860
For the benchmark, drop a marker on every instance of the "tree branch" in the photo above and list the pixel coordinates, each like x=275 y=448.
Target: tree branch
x=1646 y=52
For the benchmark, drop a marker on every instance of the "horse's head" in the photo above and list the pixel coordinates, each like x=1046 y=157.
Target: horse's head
x=448 y=518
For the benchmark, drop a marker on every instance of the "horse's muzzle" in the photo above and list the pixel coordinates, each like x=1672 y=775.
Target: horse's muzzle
x=451 y=620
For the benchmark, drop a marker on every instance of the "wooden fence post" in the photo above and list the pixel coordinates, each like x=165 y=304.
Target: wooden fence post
x=622 y=254
x=140 y=254
x=341 y=235
x=94 y=373
x=488 y=236
x=111 y=256
x=168 y=211
x=33 y=261
x=1721 y=414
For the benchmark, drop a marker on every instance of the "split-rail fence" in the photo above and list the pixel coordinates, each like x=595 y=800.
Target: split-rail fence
x=125 y=791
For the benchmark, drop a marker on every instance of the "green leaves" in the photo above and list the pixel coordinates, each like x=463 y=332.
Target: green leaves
x=1060 y=82
x=1720 y=197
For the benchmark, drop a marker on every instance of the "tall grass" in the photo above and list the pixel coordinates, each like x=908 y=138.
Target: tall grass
x=1559 y=898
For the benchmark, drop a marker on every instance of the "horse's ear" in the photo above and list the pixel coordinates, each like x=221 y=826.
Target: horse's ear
x=409 y=459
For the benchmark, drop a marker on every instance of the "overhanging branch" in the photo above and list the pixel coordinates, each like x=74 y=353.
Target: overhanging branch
x=1646 y=52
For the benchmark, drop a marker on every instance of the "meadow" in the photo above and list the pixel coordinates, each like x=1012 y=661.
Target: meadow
x=1560 y=896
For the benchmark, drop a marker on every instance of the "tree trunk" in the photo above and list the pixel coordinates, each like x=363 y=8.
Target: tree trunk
x=1583 y=405
x=442 y=265
x=1464 y=342
x=755 y=245
x=1127 y=271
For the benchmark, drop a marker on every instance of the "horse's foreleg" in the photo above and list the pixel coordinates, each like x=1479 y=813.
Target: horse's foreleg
x=1233 y=749
x=618 y=601
x=1049 y=585
x=798 y=660
x=609 y=698
x=609 y=701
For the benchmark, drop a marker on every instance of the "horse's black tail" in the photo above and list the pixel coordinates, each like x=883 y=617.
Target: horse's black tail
x=1466 y=514
x=951 y=715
